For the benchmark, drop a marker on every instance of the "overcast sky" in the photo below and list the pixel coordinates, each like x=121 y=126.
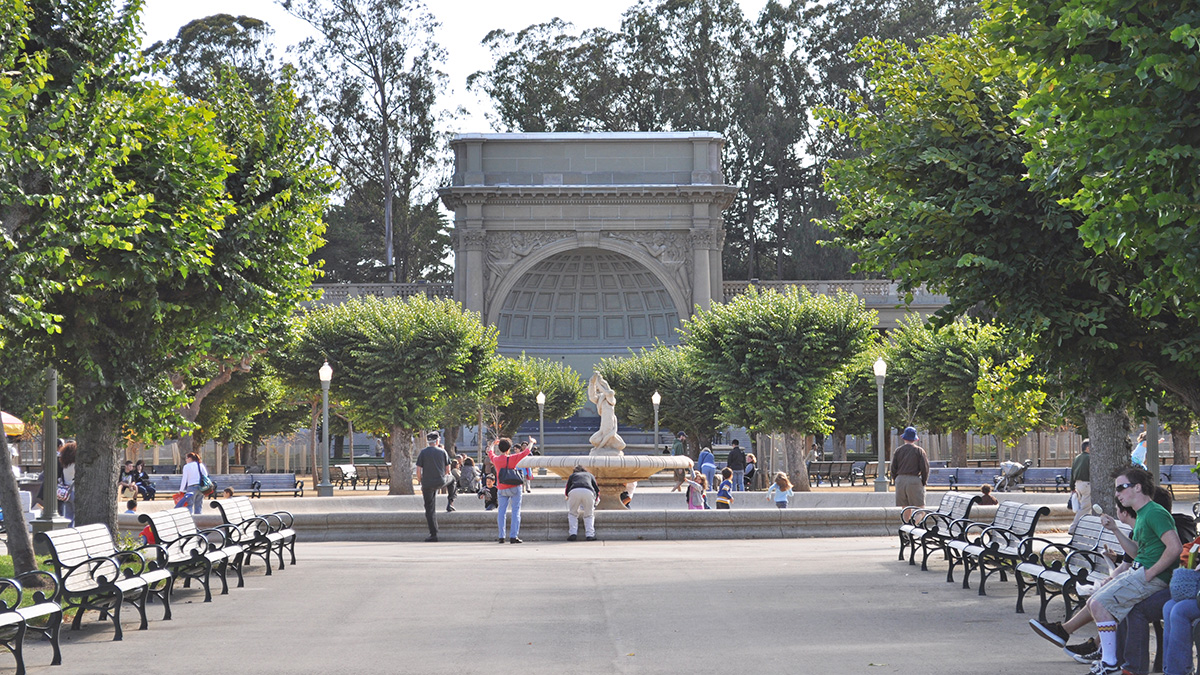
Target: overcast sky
x=464 y=23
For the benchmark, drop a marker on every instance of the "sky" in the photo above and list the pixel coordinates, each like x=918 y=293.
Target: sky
x=464 y=23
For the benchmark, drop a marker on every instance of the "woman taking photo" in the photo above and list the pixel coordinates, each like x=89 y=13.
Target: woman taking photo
x=508 y=486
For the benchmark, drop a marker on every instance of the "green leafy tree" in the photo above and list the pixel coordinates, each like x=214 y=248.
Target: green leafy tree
x=1009 y=399
x=939 y=198
x=396 y=364
x=856 y=405
x=776 y=360
x=687 y=404
x=1180 y=421
x=203 y=47
x=1115 y=111
x=373 y=75
x=526 y=376
x=128 y=251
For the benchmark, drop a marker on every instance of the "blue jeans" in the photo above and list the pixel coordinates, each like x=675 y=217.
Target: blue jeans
x=194 y=499
x=1177 y=635
x=506 y=497
x=739 y=480
x=710 y=474
x=1133 y=634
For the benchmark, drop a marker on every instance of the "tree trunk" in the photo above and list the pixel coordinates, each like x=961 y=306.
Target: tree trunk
x=452 y=434
x=20 y=545
x=401 y=446
x=839 y=445
x=958 y=448
x=1109 y=431
x=1181 y=449
x=97 y=459
x=795 y=445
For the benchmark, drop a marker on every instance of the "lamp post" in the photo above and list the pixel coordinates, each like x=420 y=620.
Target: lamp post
x=325 y=488
x=881 y=483
x=50 y=518
x=656 y=398
x=541 y=400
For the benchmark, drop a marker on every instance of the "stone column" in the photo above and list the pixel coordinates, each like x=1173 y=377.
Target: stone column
x=701 y=270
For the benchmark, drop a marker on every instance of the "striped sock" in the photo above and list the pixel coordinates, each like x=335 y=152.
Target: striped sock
x=1108 y=641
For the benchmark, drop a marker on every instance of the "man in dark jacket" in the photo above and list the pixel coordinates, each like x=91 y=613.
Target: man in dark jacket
x=433 y=473
x=582 y=496
x=737 y=464
x=910 y=469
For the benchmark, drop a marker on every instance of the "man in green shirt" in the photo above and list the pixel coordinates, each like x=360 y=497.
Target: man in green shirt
x=1155 y=547
x=1081 y=484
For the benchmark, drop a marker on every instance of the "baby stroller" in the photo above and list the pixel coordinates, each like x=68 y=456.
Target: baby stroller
x=1010 y=475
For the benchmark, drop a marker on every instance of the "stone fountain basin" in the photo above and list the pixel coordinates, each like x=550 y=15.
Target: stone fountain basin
x=612 y=472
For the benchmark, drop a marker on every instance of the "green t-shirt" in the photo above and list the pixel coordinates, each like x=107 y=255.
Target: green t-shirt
x=1153 y=521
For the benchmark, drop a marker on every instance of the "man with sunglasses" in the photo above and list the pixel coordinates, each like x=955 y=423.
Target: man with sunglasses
x=1155 y=548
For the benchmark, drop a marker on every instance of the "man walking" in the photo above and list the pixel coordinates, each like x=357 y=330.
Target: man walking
x=1081 y=483
x=910 y=469
x=737 y=463
x=433 y=473
x=582 y=495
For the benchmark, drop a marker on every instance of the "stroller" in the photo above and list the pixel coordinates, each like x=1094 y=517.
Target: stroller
x=1010 y=475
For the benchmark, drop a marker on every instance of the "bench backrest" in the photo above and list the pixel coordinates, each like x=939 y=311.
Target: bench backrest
x=77 y=544
x=243 y=482
x=1006 y=514
x=1179 y=473
x=973 y=477
x=1088 y=532
x=943 y=475
x=170 y=525
x=947 y=504
x=960 y=506
x=235 y=509
x=1026 y=519
x=1048 y=475
x=276 y=481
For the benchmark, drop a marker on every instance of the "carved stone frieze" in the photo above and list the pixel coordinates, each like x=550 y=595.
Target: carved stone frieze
x=672 y=249
x=506 y=249
x=471 y=239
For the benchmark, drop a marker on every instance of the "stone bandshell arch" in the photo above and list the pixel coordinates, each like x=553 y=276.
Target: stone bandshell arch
x=635 y=253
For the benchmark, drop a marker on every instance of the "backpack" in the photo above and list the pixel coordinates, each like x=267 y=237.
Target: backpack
x=1185 y=525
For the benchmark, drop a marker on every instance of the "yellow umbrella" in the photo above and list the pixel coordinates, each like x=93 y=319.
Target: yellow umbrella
x=12 y=425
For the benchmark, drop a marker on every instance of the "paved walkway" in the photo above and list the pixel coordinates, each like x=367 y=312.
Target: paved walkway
x=743 y=606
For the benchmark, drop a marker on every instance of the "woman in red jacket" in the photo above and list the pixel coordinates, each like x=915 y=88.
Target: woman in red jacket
x=507 y=491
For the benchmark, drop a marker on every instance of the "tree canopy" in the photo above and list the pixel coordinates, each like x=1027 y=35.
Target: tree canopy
x=776 y=360
x=396 y=364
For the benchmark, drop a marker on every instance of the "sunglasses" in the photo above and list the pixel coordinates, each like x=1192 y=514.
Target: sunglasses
x=1124 y=486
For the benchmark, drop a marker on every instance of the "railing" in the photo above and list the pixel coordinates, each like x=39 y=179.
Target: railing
x=874 y=291
x=339 y=293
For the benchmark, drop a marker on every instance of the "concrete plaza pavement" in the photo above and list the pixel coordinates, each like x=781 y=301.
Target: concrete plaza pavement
x=839 y=605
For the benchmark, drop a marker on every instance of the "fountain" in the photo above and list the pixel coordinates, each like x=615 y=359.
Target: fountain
x=607 y=461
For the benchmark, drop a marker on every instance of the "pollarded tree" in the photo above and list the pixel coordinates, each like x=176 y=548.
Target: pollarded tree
x=1008 y=401
x=687 y=404
x=776 y=360
x=560 y=383
x=395 y=365
x=856 y=405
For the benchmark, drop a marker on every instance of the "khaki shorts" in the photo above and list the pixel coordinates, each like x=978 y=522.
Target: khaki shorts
x=1126 y=590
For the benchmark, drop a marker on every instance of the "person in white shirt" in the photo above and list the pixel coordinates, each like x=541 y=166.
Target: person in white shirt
x=193 y=472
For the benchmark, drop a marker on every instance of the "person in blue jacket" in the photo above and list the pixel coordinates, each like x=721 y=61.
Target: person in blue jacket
x=708 y=465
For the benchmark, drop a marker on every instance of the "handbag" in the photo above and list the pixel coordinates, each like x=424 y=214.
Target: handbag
x=65 y=492
x=207 y=487
x=1184 y=584
x=510 y=476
